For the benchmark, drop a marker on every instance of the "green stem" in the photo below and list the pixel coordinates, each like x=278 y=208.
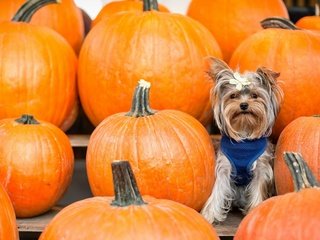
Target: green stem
x=26 y=11
x=149 y=5
x=27 y=119
x=301 y=173
x=126 y=190
x=278 y=22
x=140 y=104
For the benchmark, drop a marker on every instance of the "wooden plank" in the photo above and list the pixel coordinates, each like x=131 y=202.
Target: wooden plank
x=37 y=224
x=229 y=227
x=79 y=140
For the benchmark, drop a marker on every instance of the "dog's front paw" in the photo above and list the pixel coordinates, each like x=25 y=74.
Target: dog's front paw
x=213 y=214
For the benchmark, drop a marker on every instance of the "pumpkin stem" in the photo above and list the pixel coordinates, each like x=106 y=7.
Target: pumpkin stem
x=26 y=11
x=149 y=5
x=140 y=104
x=301 y=173
x=278 y=22
x=317 y=9
x=27 y=119
x=126 y=190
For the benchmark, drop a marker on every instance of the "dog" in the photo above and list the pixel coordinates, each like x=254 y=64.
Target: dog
x=245 y=107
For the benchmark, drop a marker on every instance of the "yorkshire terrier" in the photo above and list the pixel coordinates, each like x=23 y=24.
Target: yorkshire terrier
x=245 y=107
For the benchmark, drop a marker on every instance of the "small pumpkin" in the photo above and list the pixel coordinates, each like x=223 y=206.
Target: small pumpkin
x=65 y=18
x=295 y=54
x=311 y=22
x=123 y=5
x=167 y=49
x=36 y=164
x=8 y=224
x=171 y=153
x=294 y=216
x=38 y=70
x=127 y=216
x=231 y=22
x=301 y=135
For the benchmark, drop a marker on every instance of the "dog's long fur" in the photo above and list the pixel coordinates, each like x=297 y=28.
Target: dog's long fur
x=263 y=97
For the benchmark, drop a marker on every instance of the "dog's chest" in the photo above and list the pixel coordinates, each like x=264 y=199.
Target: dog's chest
x=242 y=155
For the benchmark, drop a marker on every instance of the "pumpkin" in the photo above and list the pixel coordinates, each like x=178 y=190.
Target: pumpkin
x=310 y=22
x=127 y=216
x=295 y=54
x=294 y=216
x=231 y=22
x=38 y=70
x=36 y=164
x=167 y=49
x=8 y=224
x=65 y=18
x=171 y=153
x=301 y=135
x=123 y=5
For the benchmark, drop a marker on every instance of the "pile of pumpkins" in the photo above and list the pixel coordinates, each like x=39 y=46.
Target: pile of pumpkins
x=51 y=67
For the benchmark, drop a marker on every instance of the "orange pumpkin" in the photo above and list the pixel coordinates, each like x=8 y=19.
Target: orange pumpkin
x=231 y=22
x=36 y=164
x=294 y=216
x=38 y=70
x=295 y=54
x=170 y=151
x=128 y=216
x=120 y=6
x=301 y=135
x=310 y=22
x=8 y=225
x=167 y=49
x=65 y=18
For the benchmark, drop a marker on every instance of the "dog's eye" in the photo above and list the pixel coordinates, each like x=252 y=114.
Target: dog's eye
x=254 y=95
x=233 y=96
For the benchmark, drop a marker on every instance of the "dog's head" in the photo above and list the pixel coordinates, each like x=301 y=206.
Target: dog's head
x=245 y=105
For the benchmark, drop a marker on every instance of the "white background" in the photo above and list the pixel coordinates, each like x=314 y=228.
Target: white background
x=92 y=7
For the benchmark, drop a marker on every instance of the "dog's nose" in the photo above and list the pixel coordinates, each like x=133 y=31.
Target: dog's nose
x=244 y=106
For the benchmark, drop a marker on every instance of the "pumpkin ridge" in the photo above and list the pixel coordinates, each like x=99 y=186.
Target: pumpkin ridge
x=175 y=122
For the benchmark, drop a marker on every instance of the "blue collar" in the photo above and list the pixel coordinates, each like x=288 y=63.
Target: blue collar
x=242 y=155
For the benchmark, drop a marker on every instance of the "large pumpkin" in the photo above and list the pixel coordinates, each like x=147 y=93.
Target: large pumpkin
x=171 y=153
x=8 y=224
x=128 y=216
x=38 y=70
x=294 y=216
x=120 y=6
x=65 y=18
x=295 y=54
x=301 y=135
x=36 y=164
x=233 y=21
x=167 y=49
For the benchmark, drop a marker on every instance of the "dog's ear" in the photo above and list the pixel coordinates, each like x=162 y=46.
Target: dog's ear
x=269 y=80
x=268 y=77
x=217 y=67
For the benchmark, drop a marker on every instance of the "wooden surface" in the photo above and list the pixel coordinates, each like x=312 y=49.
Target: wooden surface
x=78 y=140
x=37 y=224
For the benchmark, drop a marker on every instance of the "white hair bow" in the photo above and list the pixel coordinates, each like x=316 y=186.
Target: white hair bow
x=239 y=81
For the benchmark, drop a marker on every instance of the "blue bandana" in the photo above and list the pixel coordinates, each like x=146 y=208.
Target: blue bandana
x=241 y=156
